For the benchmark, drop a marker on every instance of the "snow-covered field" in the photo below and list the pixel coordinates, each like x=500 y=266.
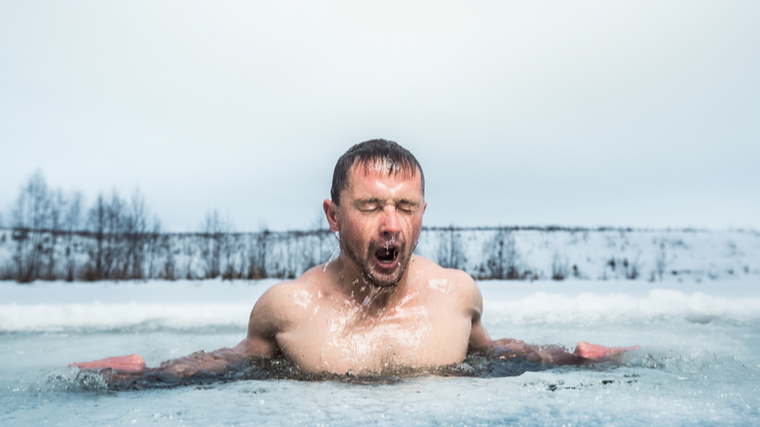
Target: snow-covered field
x=525 y=253
x=699 y=362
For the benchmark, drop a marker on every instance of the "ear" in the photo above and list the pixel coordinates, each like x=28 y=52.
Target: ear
x=331 y=212
x=424 y=207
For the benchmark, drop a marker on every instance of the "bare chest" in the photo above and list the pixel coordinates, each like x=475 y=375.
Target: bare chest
x=341 y=339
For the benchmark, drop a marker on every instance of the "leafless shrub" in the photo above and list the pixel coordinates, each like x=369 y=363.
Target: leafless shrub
x=166 y=247
x=559 y=267
x=576 y=272
x=214 y=228
x=230 y=249
x=295 y=257
x=661 y=261
x=632 y=271
x=450 y=251
x=257 y=265
x=502 y=256
x=154 y=248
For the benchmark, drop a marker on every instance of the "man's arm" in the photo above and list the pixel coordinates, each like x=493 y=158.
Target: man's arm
x=584 y=353
x=259 y=343
x=508 y=348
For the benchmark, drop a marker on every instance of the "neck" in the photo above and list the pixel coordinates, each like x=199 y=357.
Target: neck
x=355 y=286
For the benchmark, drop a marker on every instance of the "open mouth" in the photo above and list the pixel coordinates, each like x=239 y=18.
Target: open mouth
x=386 y=256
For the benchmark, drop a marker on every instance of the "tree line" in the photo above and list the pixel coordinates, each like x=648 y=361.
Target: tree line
x=54 y=236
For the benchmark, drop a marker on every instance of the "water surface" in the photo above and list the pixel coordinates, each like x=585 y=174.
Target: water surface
x=699 y=362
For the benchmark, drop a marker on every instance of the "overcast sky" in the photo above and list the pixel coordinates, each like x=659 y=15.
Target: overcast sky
x=643 y=114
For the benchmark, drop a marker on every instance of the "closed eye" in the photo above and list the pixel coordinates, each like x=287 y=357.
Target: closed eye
x=406 y=207
x=368 y=206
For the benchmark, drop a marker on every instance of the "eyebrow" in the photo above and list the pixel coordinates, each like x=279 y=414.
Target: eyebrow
x=367 y=200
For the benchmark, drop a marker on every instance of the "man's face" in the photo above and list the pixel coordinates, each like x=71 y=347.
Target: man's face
x=379 y=219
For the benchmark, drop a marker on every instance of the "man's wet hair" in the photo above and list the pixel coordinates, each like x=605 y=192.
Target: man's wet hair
x=393 y=157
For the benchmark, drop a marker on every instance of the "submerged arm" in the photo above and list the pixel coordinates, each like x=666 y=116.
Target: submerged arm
x=260 y=343
x=511 y=349
x=508 y=348
x=132 y=367
x=584 y=353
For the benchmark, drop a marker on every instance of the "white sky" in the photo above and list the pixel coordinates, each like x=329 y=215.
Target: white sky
x=643 y=114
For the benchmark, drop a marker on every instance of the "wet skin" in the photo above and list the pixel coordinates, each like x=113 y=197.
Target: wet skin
x=374 y=308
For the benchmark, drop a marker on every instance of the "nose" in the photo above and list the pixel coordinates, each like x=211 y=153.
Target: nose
x=390 y=225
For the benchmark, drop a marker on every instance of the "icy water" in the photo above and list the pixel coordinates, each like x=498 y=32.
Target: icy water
x=699 y=362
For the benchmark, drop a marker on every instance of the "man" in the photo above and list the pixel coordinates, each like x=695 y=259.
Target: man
x=377 y=306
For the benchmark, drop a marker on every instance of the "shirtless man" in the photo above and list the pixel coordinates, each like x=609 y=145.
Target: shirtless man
x=377 y=306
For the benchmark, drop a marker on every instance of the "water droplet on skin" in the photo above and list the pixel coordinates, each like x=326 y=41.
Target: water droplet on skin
x=331 y=255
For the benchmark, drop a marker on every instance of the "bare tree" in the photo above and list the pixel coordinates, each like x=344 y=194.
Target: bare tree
x=57 y=203
x=106 y=220
x=136 y=230
x=450 y=252
x=96 y=219
x=115 y=263
x=154 y=247
x=31 y=216
x=72 y=223
x=257 y=265
x=214 y=229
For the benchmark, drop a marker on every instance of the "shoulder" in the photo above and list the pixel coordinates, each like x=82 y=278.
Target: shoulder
x=278 y=306
x=456 y=282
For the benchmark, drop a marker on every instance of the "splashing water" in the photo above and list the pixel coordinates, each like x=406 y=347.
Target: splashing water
x=390 y=242
x=332 y=255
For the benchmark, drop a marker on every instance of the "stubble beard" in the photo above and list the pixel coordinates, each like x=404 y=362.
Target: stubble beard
x=365 y=265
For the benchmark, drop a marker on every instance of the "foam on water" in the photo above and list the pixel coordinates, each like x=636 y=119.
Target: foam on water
x=188 y=305
x=589 y=308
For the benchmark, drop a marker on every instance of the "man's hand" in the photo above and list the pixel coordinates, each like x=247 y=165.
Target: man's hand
x=133 y=363
x=600 y=353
